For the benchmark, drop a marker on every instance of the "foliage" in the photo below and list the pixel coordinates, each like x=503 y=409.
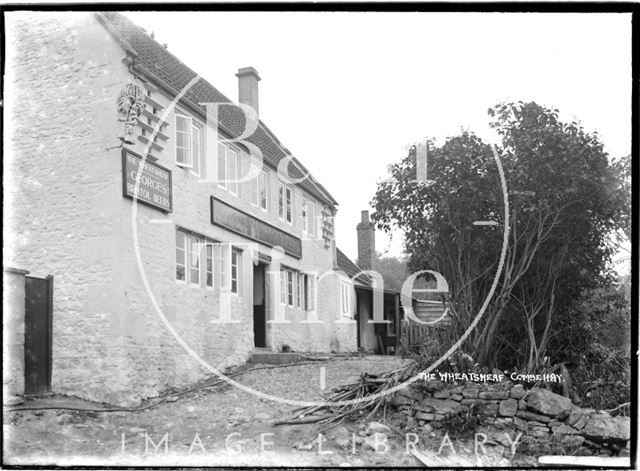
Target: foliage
x=393 y=270
x=594 y=341
x=565 y=200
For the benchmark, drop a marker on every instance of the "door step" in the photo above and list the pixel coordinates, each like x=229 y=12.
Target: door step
x=268 y=357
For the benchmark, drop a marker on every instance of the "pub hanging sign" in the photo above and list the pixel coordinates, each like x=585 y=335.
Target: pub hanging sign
x=155 y=188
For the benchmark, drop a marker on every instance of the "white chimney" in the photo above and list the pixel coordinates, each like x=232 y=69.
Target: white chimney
x=248 y=79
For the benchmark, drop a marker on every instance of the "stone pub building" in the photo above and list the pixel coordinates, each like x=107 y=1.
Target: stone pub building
x=98 y=289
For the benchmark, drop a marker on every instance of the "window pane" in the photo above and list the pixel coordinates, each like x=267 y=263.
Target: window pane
x=194 y=273
x=263 y=184
x=311 y=224
x=281 y=201
x=183 y=139
x=235 y=262
x=282 y=286
x=232 y=171
x=180 y=256
x=289 y=198
x=209 y=251
x=304 y=214
x=254 y=191
x=290 y=287
x=222 y=165
x=224 y=264
x=197 y=151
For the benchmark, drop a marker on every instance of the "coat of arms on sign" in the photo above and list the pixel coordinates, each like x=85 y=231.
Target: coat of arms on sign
x=130 y=106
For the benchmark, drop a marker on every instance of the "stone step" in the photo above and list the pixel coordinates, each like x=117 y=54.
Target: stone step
x=274 y=358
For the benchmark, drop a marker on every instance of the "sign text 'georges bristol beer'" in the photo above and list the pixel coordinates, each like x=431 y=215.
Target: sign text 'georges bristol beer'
x=155 y=181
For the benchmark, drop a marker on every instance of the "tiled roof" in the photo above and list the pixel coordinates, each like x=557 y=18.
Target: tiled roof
x=155 y=62
x=351 y=269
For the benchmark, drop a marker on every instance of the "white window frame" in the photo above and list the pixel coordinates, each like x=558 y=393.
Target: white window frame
x=311 y=224
x=209 y=265
x=222 y=166
x=345 y=298
x=197 y=161
x=288 y=204
x=283 y=286
x=311 y=290
x=185 y=239
x=299 y=287
x=308 y=219
x=259 y=183
x=232 y=184
x=188 y=163
x=290 y=288
x=224 y=266
x=303 y=213
x=237 y=254
x=281 y=202
x=197 y=257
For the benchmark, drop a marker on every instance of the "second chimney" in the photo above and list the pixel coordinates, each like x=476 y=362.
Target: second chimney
x=248 y=79
x=366 y=242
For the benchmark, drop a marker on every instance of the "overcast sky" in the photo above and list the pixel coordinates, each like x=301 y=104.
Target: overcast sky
x=347 y=92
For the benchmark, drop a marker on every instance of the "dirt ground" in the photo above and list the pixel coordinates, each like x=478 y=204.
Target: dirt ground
x=227 y=426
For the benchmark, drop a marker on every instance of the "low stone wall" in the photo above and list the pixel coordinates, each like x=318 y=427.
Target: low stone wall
x=506 y=406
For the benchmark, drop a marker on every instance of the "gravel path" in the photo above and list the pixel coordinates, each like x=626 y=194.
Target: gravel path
x=204 y=427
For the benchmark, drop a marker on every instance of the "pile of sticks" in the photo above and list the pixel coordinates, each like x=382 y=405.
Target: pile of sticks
x=360 y=393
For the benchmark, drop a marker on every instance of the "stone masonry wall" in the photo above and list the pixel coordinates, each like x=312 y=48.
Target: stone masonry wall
x=535 y=413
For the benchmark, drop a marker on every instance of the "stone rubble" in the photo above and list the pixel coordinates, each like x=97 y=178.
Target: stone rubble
x=535 y=412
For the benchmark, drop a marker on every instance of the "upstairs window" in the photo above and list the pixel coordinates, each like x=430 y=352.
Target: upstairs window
x=189 y=144
x=288 y=204
x=184 y=141
x=308 y=216
x=281 y=201
x=197 y=149
x=260 y=190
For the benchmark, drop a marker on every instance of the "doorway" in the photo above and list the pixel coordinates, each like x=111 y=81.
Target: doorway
x=37 y=334
x=259 y=303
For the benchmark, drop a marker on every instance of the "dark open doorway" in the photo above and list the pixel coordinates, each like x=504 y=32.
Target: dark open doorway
x=259 y=303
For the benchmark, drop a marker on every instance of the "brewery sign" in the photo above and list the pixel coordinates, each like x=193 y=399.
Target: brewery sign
x=244 y=224
x=155 y=181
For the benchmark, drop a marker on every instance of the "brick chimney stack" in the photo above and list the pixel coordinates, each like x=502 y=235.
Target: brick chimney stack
x=248 y=79
x=366 y=242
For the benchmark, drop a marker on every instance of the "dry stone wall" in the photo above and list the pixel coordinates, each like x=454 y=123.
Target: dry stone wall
x=506 y=406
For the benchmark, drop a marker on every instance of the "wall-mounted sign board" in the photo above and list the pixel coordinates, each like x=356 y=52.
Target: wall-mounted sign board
x=155 y=181
x=235 y=220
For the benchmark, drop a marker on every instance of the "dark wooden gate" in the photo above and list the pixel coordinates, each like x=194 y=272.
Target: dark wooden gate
x=37 y=334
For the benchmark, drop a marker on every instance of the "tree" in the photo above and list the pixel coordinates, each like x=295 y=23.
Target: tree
x=564 y=200
x=393 y=270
